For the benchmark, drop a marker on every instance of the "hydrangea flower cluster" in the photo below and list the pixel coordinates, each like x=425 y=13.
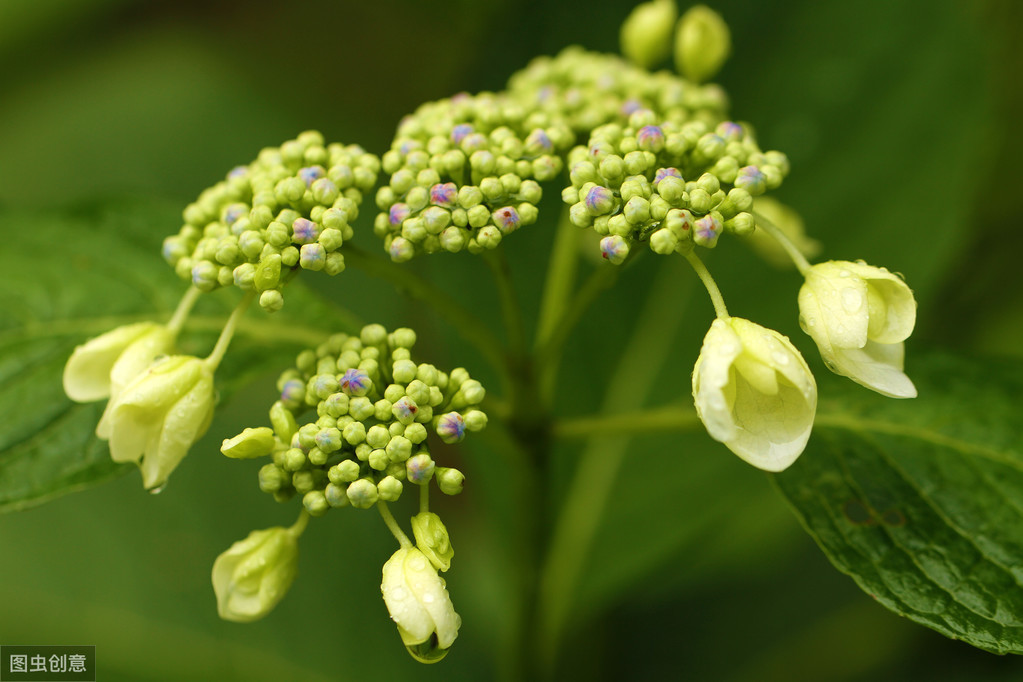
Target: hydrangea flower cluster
x=290 y=209
x=374 y=409
x=465 y=172
x=674 y=185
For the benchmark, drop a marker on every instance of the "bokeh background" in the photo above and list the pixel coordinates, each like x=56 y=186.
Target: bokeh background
x=901 y=122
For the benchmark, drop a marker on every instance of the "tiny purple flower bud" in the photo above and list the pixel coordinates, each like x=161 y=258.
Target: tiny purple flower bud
x=405 y=410
x=614 y=249
x=312 y=256
x=398 y=213
x=544 y=93
x=751 y=179
x=665 y=172
x=443 y=194
x=507 y=219
x=539 y=142
x=599 y=200
x=310 y=174
x=233 y=212
x=293 y=391
x=419 y=468
x=474 y=142
x=729 y=130
x=451 y=427
x=304 y=231
x=401 y=250
x=238 y=172
x=650 y=138
x=459 y=132
x=631 y=106
x=409 y=146
x=708 y=228
x=355 y=382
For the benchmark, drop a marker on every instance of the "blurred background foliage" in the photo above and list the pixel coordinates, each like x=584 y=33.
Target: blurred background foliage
x=901 y=122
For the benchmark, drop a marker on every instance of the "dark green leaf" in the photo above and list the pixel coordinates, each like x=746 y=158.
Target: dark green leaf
x=94 y=271
x=921 y=501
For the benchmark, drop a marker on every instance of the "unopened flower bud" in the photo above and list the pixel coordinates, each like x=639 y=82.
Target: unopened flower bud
x=254 y=574
x=250 y=443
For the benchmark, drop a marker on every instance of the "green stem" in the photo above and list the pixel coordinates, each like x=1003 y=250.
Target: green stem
x=709 y=284
x=590 y=490
x=393 y=526
x=680 y=417
x=548 y=355
x=300 y=524
x=214 y=358
x=420 y=289
x=511 y=311
x=424 y=498
x=770 y=228
x=561 y=272
x=181 y=313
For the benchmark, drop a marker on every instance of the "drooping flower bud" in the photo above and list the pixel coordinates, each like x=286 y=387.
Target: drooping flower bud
x=418 y=601
x=859 y=316
x=754 y=393
x=254 y=574
x=158 y=416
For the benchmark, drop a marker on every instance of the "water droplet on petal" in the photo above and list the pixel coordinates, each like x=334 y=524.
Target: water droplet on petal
x=852 y=300
x=780 y=357
x=428 y=598
x=844 y=273
x=157 y=490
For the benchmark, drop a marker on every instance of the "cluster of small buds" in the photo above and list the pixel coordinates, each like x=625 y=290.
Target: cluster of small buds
x=290 y=209
x=374 y=410
x=464 y=172
x=589 y=89
x=672 y=185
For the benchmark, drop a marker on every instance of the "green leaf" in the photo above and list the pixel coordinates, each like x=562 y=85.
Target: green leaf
x=89 y=272
x=921 y=501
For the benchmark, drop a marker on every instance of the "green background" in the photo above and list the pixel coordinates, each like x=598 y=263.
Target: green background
x=901 y=122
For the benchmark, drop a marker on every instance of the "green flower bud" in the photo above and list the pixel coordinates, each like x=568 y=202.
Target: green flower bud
x=449 y=480
x=250 y=443
x=354 y=433
x=254 y=574
x=272 y=478
x=344 y=472
x=389 y=488
x=475 y=420
x=646 y=33
x=378 y=460
x=702 y=43
x=399 y=449
x=315 y=502
x=362 y=493
x=271 y=300
x=432 y=540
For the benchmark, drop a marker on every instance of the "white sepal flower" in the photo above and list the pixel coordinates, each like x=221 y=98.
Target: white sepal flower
x=158 y=416
x=754 y=393
x=859 y=316
x=418 y=601
x=102 y=366
x=254 y=574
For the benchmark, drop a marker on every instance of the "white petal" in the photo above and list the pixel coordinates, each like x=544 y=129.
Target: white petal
x=878 y=367
x=87 y=372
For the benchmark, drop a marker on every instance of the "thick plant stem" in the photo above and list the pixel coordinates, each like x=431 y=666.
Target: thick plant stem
x=590 y=489
x=511 y=311
x=561 y=272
